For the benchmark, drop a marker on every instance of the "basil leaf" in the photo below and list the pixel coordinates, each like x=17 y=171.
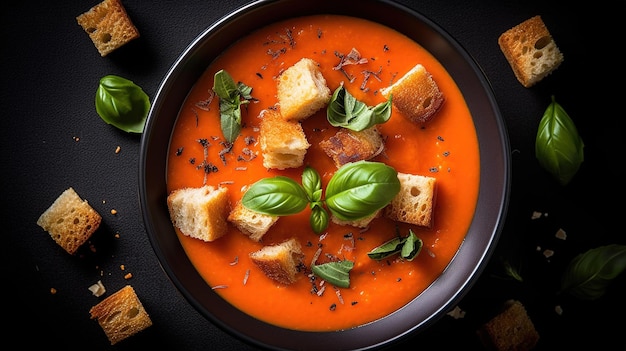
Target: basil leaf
x=277 y=196
x=589 y=274
x=387 y=249
x=312 y=183
x=412 y=246
x=359 y=189
x=230 y=101
x=336 y=273
x=346 y=111
x=319 y=218
x=558 y=147
x=122 y=103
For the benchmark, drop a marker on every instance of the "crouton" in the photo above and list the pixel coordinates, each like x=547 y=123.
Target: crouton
x=283 y=143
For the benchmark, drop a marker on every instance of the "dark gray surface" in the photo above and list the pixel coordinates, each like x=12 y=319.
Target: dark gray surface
x=53 y=138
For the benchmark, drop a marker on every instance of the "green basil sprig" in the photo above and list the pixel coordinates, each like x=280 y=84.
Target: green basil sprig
x=558 y=147
x=589 y=274
x=122 y=103
x=231 y=97
x=337 y=273
x=355 y=191
x=408 y=247
x=344 y=110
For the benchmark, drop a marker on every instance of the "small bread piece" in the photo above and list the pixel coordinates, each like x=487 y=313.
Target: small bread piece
x=530 y=50
x=280 y=262
x=251 y=223
x=200 y=212
x=283 y=143
x=70 y=221
x=415 y=202
x=121 y=315
x=351 y=146
x=416 y=95
x=302 y=90
x=108 y=26
x=511 y=330
x=359 y=223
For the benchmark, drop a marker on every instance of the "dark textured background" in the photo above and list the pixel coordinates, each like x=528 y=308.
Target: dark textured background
x=50 y=71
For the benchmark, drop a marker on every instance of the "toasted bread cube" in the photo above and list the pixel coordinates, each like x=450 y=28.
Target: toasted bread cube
x=283 y=143
x=121 y=315
x=512 y=329
x=415 y=202
x=108 y=26
x=359 y=223
x=351 y=146
x=251 y=223
x=200 y=213
x=280 y=262
x=302 y=90
x=416 y=95
x=530 y=50
x=70 y=221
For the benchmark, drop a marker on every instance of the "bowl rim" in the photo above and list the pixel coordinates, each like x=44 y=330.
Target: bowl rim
x=464 y=268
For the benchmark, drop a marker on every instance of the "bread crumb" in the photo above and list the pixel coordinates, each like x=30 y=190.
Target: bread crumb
x=456 y=313
x=97 y=289
x=561 y=234
x=53 y=291
x=536 y=215
x=118 y=149
x=122 y=267
x=558 y=309
x=128 y=276
x=113 y=211
x=548 y=253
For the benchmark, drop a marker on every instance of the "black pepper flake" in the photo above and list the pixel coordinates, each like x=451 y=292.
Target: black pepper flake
x=440 y=138
x=398 y=279
x=385 y=48
x=446 y=153
x=319 y=33
x=249 y=140
x=192 y=160
x=333 y=307
x=354 y=303
x=204 y=142
x=210 y=168
x=179 y=151
x=259 y=75
x=433 y=169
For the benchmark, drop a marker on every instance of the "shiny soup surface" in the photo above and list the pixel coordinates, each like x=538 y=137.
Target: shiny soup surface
x=445 y=148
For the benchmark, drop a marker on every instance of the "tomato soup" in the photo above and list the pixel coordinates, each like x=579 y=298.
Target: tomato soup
x=445 y=148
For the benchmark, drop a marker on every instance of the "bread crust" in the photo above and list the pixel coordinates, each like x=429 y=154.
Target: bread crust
x=108 y=25
x=511 y=330
x=415 y=203
x=280 y=262
x=121 y=315
x=416 y=95
x=70 y=221
x=251 y=223
x=530 y=50
x=302 y=90
x=351 y=146
x=200 y=213
x=283 y=143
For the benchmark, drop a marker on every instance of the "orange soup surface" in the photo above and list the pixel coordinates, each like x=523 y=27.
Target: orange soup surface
x=445 y=148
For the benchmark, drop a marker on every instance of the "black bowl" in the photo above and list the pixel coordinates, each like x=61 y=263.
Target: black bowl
x=437 y=299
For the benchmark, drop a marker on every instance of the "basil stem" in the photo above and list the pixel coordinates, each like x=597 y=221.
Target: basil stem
x=122 y=103
x=336 y=273
x=589 y=274
x=231 y=97
x=359 y=189
x=346 y=111
x=558 y=146
x=277 y=196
